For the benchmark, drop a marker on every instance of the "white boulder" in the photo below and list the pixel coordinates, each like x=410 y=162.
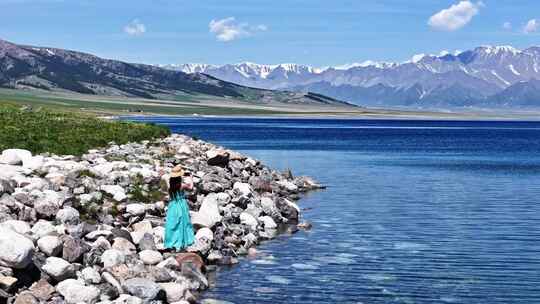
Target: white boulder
x=208 y=215
x=68 y=215
x=75 y=292
x=15 y=249
x=51 y=245
x=204 y=233
x=118 y=193
x=58 y=268
x=268 y=222
x=150 y=257
x=243 y=188
x=15 y=156
x=248 y=219
x=112 y=257
x=20 y=227
x=91 y=275
x=136 y=209
x=42 y=228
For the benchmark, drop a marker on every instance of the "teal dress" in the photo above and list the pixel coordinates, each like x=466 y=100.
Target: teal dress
x=178 y=229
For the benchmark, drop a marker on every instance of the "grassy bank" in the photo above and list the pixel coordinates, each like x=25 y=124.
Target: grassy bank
x=121 y=106
x=62 y=132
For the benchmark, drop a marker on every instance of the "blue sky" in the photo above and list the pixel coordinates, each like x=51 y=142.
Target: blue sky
x=314 y=32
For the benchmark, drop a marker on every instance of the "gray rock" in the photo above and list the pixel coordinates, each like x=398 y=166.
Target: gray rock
x=269 y=206
x=94 y=235
x=118 y=193
x=158 y=274
x=217 y=157
x=243 y=188
x=169 y=263
x=7 y=283
x=74 y=249
x=50 y=245
x=42 y=290
x=190 y=270
x=58 y=268
x=253 y=210
x=214 y=257
x=204 y=233
x=42 y=228
x=127 y=299
x=124 y=245
x=20 y=227
x=75 y=292
x=113 y=257
x=136 y=209
x=123 y=233
x=249 y=220
x=15 y=249
x=90 y=275
x=26 y=297
x=289 y=186
x=268 y=222
x=107 y=277
x=147 y=242
x=142 y=288
x=46 y=208
x=6 y=187
x=150 y=257
x=175 y=291
x=68 y=215
x=288 y=209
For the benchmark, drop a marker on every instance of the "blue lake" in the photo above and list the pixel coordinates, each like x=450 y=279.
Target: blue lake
x=415 y=211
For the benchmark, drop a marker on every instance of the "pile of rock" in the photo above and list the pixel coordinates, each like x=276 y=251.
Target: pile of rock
x=90 y=229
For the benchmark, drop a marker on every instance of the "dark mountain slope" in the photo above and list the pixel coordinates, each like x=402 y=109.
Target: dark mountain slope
x=63 y=70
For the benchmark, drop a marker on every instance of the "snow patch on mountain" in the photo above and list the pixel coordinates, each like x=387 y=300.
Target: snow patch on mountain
x=470 y=75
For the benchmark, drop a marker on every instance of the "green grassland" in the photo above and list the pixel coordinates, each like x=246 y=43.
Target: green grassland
x=182 y=105
x=62 y=132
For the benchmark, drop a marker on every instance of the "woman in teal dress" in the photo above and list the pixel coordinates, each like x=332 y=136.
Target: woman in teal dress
x=178 y=229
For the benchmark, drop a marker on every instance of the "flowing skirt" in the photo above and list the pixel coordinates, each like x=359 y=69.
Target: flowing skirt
x=178 y=229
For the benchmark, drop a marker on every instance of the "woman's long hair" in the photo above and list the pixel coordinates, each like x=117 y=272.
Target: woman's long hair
x=175 y=186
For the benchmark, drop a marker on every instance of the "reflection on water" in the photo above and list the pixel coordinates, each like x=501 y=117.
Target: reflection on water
x=415 y=212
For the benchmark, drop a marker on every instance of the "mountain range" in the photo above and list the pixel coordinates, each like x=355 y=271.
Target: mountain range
x=59 y=70
x=484 y=77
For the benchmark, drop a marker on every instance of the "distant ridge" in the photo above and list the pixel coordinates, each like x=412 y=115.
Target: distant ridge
x=53 y=69
x=480 y=77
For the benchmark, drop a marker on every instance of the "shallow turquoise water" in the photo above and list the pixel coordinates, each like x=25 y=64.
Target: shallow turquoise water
x=415 y=212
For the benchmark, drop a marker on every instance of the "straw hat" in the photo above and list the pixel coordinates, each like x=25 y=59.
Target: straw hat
x=177 y=171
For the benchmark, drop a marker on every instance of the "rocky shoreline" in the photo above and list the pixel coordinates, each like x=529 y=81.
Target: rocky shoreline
x=90 y=229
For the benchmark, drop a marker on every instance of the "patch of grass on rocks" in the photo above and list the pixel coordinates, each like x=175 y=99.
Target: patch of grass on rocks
x=66 y=133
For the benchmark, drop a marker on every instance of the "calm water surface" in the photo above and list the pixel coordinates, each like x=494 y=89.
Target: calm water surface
x=415 y=212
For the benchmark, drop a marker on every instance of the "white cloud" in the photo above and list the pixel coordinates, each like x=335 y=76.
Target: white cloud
x=228 y=29
x=262 y=27
x=135 y=28
x=532 y=26
x=456 y=16
x=507 y=26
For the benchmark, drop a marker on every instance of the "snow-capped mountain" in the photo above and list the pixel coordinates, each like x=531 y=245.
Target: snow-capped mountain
x=468 y=78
